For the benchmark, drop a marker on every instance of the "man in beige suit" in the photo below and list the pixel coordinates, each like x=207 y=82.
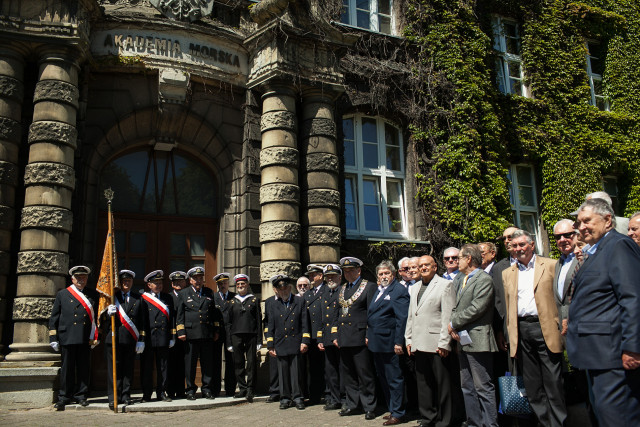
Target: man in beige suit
x=532 y=322
x=427 y=337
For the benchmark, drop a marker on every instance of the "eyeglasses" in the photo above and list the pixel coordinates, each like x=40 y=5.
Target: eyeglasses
x=404 y=269
x=568 y=235
x=450 y=258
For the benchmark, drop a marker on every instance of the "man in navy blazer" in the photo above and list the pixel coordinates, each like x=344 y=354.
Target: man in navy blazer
x=386 y=321
x=604 y=330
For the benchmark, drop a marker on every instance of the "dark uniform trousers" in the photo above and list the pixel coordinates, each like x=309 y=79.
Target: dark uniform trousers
x=201 y=349
x=70 y=326
x=326 y=334
x=161 y=357
x=125 y=358
x=314 y=358
x=274 y=386
x=356 y=368
x=244 y=325
x=245 y=360
x=161 y=330
x=220 y=348
x=332 y=374
x=288 y=370
x=175 y=386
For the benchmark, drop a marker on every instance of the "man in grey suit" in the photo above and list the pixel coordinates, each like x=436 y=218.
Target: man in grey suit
x=566 y=239
x=470 y=325
x=427 y=337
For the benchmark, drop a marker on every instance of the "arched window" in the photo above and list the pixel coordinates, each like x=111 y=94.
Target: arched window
x=161 y=183
x=374 y=177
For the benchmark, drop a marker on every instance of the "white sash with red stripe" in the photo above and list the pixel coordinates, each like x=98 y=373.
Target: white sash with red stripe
x=151 y=299
x=126 y=322
x=88 y=307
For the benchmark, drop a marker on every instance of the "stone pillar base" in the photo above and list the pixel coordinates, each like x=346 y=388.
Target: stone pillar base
x=22 y=352
x=27 y=387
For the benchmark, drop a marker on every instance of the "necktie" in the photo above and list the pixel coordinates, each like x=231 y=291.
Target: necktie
x=464 y=282
x=223 y=296
x=572 y=284
x=126 y=297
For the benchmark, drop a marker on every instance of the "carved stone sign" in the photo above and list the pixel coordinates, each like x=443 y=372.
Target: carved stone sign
x=183 y=10
x=171 y=48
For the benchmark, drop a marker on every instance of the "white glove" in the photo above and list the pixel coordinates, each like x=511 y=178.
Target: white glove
x=230 y=349
x=258 y=347
x=95 y=344
x=139 y=347
x=55 y=346
x=111 y=310
x=172 y=343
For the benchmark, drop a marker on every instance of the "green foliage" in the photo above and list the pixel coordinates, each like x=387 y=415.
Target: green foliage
x=473 y=133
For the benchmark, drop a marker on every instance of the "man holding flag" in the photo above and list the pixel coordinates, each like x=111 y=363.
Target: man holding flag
x=73 y=331
x=129 y=337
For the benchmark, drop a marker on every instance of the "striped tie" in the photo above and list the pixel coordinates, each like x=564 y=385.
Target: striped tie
x=572 y=283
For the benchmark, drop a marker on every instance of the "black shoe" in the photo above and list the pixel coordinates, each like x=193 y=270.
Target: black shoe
x=84 y=402
x=370 y=415
x=59 y=406
x=332 y=406
x=300 y=406
x=240 y=394
x=272 y=399
x=111 y=406
x=284 y=405
x=347 y=412
x=249 y=396
x=209 y=395
x=191 y=396
x=145 y=399
x=127 y=401
x=164 y=397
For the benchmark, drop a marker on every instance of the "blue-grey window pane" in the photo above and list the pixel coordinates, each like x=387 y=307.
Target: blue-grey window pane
x=350 y=217
x=363 y=19
x=369 y=130
x=372 y=218
x=524 y=175
x=384 y=7
x=349 y=153
x=362 y=4
x=197 y=245
x=516 y=87
x=138 y=242
x=138 y=266
x=177 y=265
x=178 y=244
x=121 y=240
x=125 y=176
x=199 y=263
x=528 y=222
x=347 y=129
x=349 y=191
x=525 y=196
x=395 y=219
x=196 y=188
x=384 y=25
x=370 y=192
x=393 y=158
x=370 y=155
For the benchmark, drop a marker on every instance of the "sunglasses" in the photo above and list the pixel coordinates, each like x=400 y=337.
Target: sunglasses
x=404 y=269
x=568 y=235
x=450 y=258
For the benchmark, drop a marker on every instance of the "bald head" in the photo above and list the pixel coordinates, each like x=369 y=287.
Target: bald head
x=428 y=268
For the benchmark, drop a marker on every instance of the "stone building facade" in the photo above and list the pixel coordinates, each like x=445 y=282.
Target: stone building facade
x=216 y=127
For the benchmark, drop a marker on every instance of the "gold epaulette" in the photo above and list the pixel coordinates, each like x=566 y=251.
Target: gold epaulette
x=180 y=327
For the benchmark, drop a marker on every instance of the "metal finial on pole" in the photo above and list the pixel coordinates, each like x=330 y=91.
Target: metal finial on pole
x=108 y=194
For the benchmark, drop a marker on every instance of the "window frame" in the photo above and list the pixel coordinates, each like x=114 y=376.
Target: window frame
x=517 y=208
x=504 y=58
x=383 y=175
x=593 y=77
x=615 y=197
x=374 y=15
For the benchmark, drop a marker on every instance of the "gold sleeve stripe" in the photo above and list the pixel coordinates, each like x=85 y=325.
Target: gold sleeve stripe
x=319 y=334
x=53 y=332
x=266 y=330
x=180 y=327
x=269 y=339
x=334 y=330
x=143 y=333
x=306 y=335
x=173 y=331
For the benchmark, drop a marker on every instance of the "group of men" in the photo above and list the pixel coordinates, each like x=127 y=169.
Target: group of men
x=174 y=330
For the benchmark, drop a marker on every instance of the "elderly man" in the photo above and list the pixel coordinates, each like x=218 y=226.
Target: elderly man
x=566 y=237
x=223 y=298
x=428 y=339
x=403 y=271
x=604 y=332
x=450 y=258
x=471 y=320
x=634 y=227
x=72 y=330
x=354 y=299
x=315 y=358
x=302 y=285
x=176 y=353
x=621 y=222
x=532 y=322
x=386 y=324
x=328 y=333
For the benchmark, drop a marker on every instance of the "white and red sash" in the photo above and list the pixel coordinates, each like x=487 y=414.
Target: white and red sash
x=88 y=307
x=127 y=322
x=151 y=299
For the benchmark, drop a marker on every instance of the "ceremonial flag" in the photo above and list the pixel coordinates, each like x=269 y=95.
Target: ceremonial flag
x=108 y=280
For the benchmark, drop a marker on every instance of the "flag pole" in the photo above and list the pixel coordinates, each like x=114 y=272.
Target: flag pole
x=109 y=195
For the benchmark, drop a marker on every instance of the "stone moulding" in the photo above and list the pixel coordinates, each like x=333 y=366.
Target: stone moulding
x=324 y=235
x=319 y=127
x=284 y=156
x=49 y=173
x=46 y=262
x=32 y=308
x=10 y=130
x=278 y=120
x=279 y=193
x=56 y=91
x=46 y=217
x=56 y=132
x=269 y=269
x=322 y=198
x=280 y=231
x=11 y=88
x=322 y=162
x=8 y=173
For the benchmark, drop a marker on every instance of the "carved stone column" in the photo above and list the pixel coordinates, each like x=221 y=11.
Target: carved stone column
x=320 y=187
x=11 y=96
x=49 y=180
x=279 y=190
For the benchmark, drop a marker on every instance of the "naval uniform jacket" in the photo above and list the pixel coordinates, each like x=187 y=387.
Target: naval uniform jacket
x=223 y=306
x=69 y=323
x=352 y=326
x=288 y=326
x=160 y=329
x=313 y=301
x=244 y=317
x=330 y=312
x=135 y=310
x=198 y=317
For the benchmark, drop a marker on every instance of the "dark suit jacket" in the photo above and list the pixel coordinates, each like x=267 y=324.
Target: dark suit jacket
x=329 y=330
x=69 y=323
x=268 y=304
x=289 y=327
x=498 y=287
x=198 y=317
x=135 y=310
x=224 y=306
x=160 y=330
x=314 y=309
x=603 y=316
x=352 y=327
x=563 y=302
x=387 y=318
